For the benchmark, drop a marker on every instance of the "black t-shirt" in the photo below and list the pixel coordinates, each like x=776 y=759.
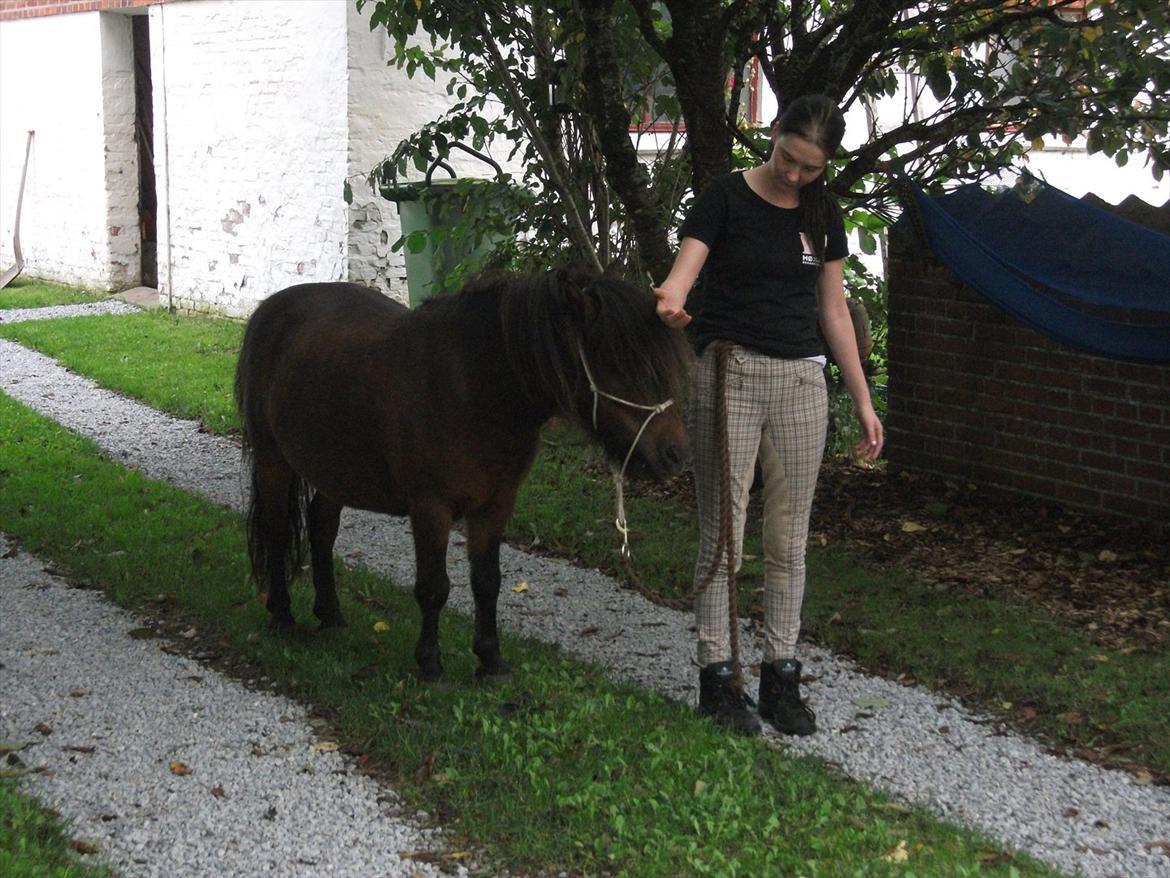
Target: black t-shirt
x=759 y=281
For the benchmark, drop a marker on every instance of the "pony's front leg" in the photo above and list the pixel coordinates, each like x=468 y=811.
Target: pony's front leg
x=431 y=528
x=483 y=552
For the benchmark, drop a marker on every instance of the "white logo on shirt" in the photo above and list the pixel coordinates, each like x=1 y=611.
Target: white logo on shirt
x=808 y=255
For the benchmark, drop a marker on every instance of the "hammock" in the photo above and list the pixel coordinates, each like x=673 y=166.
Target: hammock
x=1073 y=272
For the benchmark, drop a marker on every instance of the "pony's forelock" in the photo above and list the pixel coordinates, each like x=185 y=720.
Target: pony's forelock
x=549 y=319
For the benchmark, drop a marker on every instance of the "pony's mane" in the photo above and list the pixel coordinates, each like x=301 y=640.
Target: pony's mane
x=548 y=318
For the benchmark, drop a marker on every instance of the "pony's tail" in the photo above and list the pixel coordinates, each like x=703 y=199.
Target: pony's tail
x=277 y=526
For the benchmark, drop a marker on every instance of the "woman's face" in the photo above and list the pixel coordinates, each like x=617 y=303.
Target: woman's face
x=795 y=162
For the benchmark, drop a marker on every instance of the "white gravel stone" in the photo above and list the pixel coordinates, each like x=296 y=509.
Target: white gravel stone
x=916 y=744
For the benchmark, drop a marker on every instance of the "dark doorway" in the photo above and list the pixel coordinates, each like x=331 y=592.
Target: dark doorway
x=144 y=136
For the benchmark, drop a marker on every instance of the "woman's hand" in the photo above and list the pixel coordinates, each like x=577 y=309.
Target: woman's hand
x=670 y=306
x=672 y=295
x=873 y=434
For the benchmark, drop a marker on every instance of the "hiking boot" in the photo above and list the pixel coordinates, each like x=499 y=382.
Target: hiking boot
x=726 y=705
x=780 y=701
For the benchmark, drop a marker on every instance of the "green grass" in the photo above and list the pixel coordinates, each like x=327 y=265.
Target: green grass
x=32 y=293
x=1018 y=661
x=556 y=767
x=184 y=366
x=34 y=843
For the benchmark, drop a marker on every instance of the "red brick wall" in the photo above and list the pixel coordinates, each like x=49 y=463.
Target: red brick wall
x=14 y=9
x=977 y=396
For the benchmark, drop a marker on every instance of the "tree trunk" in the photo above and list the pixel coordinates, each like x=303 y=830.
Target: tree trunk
x=606 y=104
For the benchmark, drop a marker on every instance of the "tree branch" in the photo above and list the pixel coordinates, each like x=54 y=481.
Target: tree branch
x=552 y=166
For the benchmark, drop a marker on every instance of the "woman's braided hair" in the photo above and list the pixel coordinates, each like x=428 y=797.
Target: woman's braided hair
x=819 y=120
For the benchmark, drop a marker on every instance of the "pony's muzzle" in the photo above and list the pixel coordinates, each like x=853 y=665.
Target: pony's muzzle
x=661 y=455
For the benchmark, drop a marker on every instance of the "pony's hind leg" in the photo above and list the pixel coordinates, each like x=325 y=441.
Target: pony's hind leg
x=431 y=528
x=324 y=522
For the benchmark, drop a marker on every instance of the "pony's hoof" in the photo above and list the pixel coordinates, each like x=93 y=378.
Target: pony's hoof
x=282 y=625
x=431 y=675
x=333 y=626
x=496 y=673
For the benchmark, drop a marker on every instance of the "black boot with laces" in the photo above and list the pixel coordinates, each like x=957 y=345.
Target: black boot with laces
x=780 y=701
x=724 y=703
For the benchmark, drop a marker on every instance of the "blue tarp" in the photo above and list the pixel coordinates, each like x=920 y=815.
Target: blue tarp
x=1074 y=272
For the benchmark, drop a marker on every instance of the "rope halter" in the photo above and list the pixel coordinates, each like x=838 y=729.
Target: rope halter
x=619 y=474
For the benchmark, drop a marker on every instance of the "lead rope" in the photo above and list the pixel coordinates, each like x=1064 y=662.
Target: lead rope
x=723 y=546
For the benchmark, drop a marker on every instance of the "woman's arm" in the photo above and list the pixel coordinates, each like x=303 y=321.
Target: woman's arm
x=837 y=327
x=672 y=293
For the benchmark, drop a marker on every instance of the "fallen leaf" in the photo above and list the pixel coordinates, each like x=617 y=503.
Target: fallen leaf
x=520 y=587
x=996 y=858
x=1142 y=777
x=218 y=792
x=700 y=787
x=381 y=626
x=1161 y=846
x=83 y=847
x=911 y=527
x=181 y=769
x=189 y=634
x=366 y=671
x=899 y=854
x=424 y=771
x=327 y=746
x=1071 y=812
x=1106 y=556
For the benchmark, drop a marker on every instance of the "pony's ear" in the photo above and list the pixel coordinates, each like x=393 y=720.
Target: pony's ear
x=581 y=296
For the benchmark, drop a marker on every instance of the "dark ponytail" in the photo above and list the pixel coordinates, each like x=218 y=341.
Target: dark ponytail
x=817 y=119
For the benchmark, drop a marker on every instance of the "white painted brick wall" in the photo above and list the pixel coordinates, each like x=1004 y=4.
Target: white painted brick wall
x=262 y=110
x=121 y=153
x=63 y=78
x=250 y=101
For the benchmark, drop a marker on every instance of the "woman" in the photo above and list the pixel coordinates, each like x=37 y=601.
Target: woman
x=772 y=241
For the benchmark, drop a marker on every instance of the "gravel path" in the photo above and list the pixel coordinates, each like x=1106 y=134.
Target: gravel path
x=170 y=769
x=22 y=315
x=924 y=747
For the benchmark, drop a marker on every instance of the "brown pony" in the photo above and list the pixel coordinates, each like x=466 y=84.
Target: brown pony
x=349 y=399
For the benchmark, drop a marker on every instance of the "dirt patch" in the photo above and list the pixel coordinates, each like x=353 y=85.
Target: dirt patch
x=1108 y=577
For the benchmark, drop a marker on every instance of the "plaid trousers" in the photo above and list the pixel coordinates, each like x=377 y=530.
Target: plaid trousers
x=777 y=409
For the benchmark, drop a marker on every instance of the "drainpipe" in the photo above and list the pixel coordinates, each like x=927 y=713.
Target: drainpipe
x=166 y=152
